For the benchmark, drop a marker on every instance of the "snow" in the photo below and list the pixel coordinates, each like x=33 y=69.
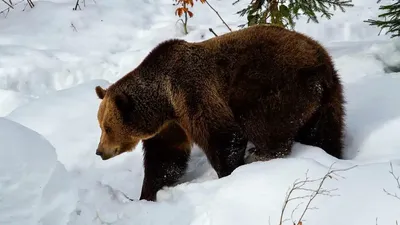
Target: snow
x=64 y=117
x=33 y=189
x=52 y=57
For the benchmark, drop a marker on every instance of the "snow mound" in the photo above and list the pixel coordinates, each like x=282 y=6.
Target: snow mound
x=35 y=187
x=10 y=100
x=373 y=118
x=68 y=119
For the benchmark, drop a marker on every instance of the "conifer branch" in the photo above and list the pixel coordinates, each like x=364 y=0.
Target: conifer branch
x=283 y=12
x=390 y=19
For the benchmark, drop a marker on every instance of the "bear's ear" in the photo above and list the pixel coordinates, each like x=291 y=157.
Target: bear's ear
x=100 y=92
x=122 y=102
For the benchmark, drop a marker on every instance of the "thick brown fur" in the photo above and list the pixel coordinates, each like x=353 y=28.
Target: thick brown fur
x=262 y=84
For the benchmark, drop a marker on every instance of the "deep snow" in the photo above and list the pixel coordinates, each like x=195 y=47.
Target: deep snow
x=35 y=187
x=51 y=58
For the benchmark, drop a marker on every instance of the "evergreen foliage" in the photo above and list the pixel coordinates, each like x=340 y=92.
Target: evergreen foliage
x=283 y=12
x=391 y=19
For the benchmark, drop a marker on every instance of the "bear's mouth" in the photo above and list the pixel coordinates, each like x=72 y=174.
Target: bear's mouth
x=115 y=151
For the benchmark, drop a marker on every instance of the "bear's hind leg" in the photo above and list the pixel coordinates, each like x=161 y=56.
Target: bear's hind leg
x=271 y=133
x=226 y=148
x=165 y=160
x=325 y=128
x=222 y=140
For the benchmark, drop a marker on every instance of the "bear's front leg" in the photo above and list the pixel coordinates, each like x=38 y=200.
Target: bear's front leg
x=226 y=147
x=165 y=160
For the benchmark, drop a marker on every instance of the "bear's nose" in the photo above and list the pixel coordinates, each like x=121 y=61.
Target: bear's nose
x=98 y=152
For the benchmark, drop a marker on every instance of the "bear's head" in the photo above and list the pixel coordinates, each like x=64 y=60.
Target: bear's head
x=118 y=133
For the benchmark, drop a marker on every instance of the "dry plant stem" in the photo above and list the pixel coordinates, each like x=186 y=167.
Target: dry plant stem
x=218 y=15
x=397 y=179
x=77 y=5
x=5 y=12
x=212 y=31
x=31 y=3
x=299 y=185
x=127 y=197
x=73 y=27
x=9 y=5
x=186 y=19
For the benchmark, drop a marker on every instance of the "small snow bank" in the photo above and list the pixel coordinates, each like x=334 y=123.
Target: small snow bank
x=10 y=100
x=68 y=119
x=373 y=117
x=35 y=187
x=389 y=55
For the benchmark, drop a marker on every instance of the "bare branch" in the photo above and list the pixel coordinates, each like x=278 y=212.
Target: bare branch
x=391 y=194
x=77 y=5
x=9 y=5
x=291 y=215
x=218 y=15
x=212 y=31
x=31 y=3
x=73 y=27
x=299 y=185
x=397 y=180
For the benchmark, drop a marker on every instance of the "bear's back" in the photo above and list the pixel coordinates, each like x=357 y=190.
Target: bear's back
x=268 y=44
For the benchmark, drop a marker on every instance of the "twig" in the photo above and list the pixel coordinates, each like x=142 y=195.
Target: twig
x=73 y=27
x=12 y=6
x=77 y=5
x=127 y=197
x=31 y=3
x=212 y=31
x=397 y=180
x=4 y=12
x=9 y=5
x=218 y=15
x=299 y=185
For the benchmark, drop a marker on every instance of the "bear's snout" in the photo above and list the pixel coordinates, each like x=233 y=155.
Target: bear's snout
x=104 y=154
x=99 y=152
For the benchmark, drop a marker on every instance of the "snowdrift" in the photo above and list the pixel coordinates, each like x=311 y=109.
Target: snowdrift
x=68 y=119
x=34 y=186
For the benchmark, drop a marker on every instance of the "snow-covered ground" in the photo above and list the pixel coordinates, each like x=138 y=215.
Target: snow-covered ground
x=52 y=57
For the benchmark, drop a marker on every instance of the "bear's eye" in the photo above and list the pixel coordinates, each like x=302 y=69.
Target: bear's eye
x=107 y=129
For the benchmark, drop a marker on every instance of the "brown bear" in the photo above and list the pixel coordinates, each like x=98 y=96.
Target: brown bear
x=263 y=84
